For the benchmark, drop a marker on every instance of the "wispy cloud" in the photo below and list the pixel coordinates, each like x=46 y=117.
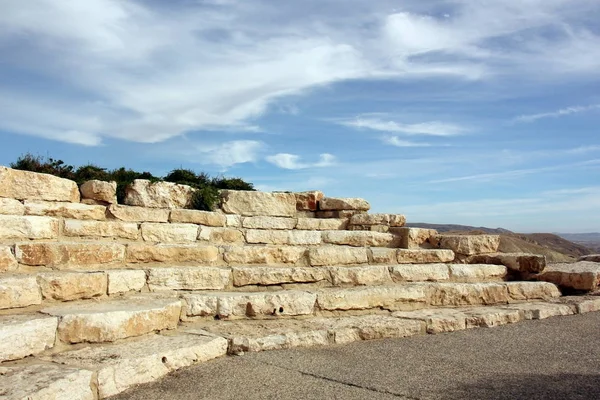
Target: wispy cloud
x=396 y=141
x=228 y=154
x=433 y=128
x=293 y=161
x=558 y=113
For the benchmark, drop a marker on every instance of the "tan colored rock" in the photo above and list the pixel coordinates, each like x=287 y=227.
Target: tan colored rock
x=18 y=227
x=188 y=278
x=262 y=222
x=25 y=335
x=171 y=253
x=8 y=262
x=371 y=228
x=589 y=257
x=255 y=236
x=520 y=262
x=46 y=381
x=64 y=210
x=18 y=291
x=360 y=238
x=359 y=276
x=489 y=317
x=381 y=255
x=112 y=320
x=337 y=255
x=66 y=286
x=467 y=294
x=233 y=221
x=207 y=218
x=100 y=191
x=138 y=214
x=143 y=193
x=424 y=256
x=542 y=310
x=243 y=276
x=477 y=272
x=244 y=341
x=582 y=275
x=420 y=272
x=105 y=229
x=438 y=320
x=169 y=233
x=125 y=280
x=316 y=224
x=250 y=203
x=394 y=220
x=69 y=255
x=11 y=207
x=521 y=291
x=399 y=297
x=221 y=235
x=338 y=214
x=585 y=305
x=415 y=238
x=264 y=255
x=468 y=244
x=347 y=203
x=308 y=201
x=25 y=185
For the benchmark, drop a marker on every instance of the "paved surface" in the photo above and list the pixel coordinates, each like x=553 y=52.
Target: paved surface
x=557 y=358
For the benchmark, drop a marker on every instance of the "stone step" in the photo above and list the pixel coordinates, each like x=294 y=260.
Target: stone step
x=517 y=262
x=467 y=245
x=580 y=276
x=26 y=335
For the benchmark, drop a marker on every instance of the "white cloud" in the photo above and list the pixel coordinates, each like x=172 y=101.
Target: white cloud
x=433 y=128
x=558 y=113
x=395 y=141
x=230 y=153
x=293 y=161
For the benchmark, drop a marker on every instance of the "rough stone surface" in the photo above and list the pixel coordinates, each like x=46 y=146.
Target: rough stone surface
x=169 y=233
x=188 y=278
x=264 y=255
x=360 y=238
x=25 y=185
x=249 y=203
x=465 y=294
x=585 y=305
x=138 y=214
x=68 y=255
x=65 y=210
x=477 y=272
x=106 y=229
x=221 y=235
x=520 y=262
x=339 y=214
x=372 y=228
x=468 y=244
x=19 y=291
x=125 y=280
x=233 y=221
x=317 y=224
x=46 y=381
x=143 y=193
x=100 y=191
x=112 y=320
x=388 y=297
x=489 y=317
x=384 y=256
x=66 y=286
x=424 y=256
x=207 y=218
x=582 y=275
x=337 y=255
x=542 y=310
x=420 y=272
x=361 y=275
x=25 y=335
x=256 y=236
x=8 y=262
x=589 y=257
x=28 y=227
x=347 y=203
x=243 y=276
x=11 y=207
x=145 y=253
x=437 y=320
x=308 y=201
x=521 y=291
x=261 y=222
x=414 y=238
x=393 y=220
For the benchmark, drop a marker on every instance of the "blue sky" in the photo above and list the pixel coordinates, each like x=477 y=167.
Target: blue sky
x=451 y=111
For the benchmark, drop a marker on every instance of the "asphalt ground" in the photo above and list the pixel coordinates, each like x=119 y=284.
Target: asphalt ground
x=557 y=358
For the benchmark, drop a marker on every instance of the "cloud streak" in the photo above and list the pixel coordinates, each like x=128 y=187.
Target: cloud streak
x=433 y=128
x=293 y=161
x=558 y=113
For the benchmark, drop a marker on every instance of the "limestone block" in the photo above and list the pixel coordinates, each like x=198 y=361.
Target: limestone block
x=25 y=335
x=337 y=255
x=372 y=228
x=371 y=327
x=438 y=320
x=489 y=317
x=112 y=320
x=414 y=238
x=207 y=218
x=582 y=275
x=106 y=229
x=468 y=244
x=11 y=207
x=338 y=203
x=143 y=193
x=361 y=298
x=18 y=291
x=394 y=220
x=586 y=305
x=477 y=272
x=520 y=262
x=233 y=221
x=420 y=272
x=72 y=285
x=532 y=291
x=465 y=294
x=64 y=210
x=589 y=257
x=264 y=255
x=125 y=280
x=360 y=238
x=362 y=275
x=68 y=255
x=100 y=191
x=424 y=256
x=339 y=214
x=25 y=185
x=542 y=310
x=169 y=233
x=145 y=253
x=295 y=237
x=137 y=214
x=384 y=256
x=308 y=201
x=46 y=381
x=188 y=278
x=317 y=224
x=8 y=262
x=28 y=227
x=262 y=222
x=243 y=276
x=221 y=235
x=250 y=203
x=278 y=341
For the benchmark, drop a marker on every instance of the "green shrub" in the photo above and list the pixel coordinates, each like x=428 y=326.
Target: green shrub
x=205 y=198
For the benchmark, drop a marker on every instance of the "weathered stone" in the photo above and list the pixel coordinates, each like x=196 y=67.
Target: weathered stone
x=371 y=327
x=65 y=255
x=520 y=262
x=360 y=238
x=438 y=320
x=420 y=272
x=171 y=253
x=371 y=228
x=25 y=335
x=169 y=233
x=188 y=278
x=264 y=255
x=399 y=297
x=112 y=320
x=337 y=255
x=221 y=235
x=8 y=262
x=46 y=381
x=207 y=218
x=100 y=191
x=394 y=220
x=144 y=193
x=542 y=310
x=589 y=257
x=125 y=280
x=72 y=285
x=585 y=305
x=11 y=207
x=532 y=291
x=384 y=256
x=308 y=201
x=347 y=203
x=25 y=185
x=243 y=276
x=476 y=272
x=362 y=275
x=488 y=317
x=316 y=224
x=233 y=221
x=467 y=244
x=19 y=291
x=64 y=210
x=249 y=203
x=107 y=229
x=261 y=222
x=306 y=214
x=424 y=256
x=465 y=294
x=283 y=237
x=138 y=214
x=18 y=227
x=414 y=238
x=338 y=214
x=121 y=366
x=582 y=275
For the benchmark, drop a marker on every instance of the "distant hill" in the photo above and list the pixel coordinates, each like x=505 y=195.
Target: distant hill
x=589 y=240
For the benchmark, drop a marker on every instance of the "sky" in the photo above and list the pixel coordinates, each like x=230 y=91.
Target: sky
x=472 y=112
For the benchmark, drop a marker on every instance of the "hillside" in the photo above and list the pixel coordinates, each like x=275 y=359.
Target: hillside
x=589 y=240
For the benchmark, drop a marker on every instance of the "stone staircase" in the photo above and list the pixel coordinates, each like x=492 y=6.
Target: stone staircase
x=96 y=297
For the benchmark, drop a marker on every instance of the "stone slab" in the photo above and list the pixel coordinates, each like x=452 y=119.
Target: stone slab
x=392 y=220
x=360 y=238
x=25 y=335
x=424 y=256
x=101 y=229
x=360 y=276
x=264 y=276
x=415 y=238
x=188 y=278
x=144 y=193
x=206 y=218
x=125 y=280
x=241 y=255
x=26 y=185
x=28 y=227
x=250 y=203
x=318 y=224
x=145 y=253
x=99 y=191
x=519 y=262
x=343 y=203
x=399 y=297
x=137 y=214
x=221 y=235
x=337 y=255
x=582 y=275
x=67 y=286
x=66 y=255
x=262 y=222
x=542 y=310
x=468 y=244
x=11 y=207
x=19 y=291
x=420 y=272
x=280 y=237
x=65 y=210
x=169 y=233
x=8 y=262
